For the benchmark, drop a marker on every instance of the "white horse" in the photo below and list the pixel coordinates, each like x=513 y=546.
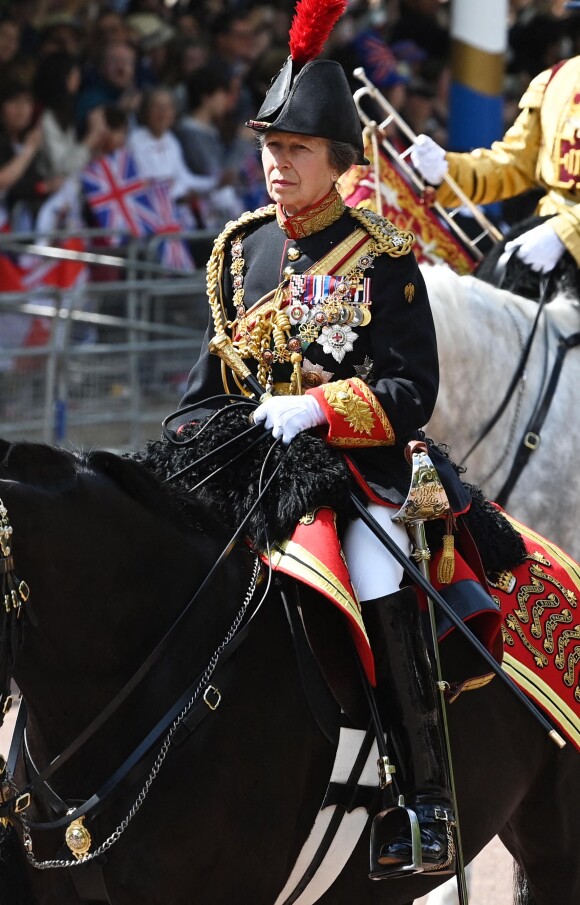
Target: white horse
x=481 y=332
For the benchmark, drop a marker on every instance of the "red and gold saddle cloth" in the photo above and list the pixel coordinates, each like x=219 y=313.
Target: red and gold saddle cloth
x=540 y=621
x=541 y=629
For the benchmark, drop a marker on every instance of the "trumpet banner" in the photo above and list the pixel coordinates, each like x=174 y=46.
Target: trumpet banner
x=434 y=243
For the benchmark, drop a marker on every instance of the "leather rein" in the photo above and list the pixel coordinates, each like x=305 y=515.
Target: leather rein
x=532 y=434
x=517 y=375
x=199 y=699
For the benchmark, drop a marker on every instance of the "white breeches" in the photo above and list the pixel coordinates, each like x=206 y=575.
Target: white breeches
x=373 y=571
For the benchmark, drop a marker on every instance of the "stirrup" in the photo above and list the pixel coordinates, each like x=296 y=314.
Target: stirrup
x=392 y=821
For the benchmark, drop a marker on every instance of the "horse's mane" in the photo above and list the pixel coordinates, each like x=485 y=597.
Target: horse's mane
x=293 y=492
x=221 y=505
x=144 y=484
x=38 y=464
x=54 y=469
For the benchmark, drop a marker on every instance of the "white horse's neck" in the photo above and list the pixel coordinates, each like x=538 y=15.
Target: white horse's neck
x=481 y=332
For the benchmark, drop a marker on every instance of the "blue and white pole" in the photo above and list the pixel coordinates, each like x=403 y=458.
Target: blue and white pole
x=479 y=39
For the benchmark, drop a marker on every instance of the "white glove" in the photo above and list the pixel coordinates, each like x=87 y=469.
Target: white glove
x=541 y=248
x=285 y=416
x=429 y=159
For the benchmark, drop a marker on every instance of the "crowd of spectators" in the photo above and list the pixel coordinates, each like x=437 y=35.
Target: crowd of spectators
x=180 y=79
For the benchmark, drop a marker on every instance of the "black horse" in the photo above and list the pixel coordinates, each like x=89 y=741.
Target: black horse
x=219 y=814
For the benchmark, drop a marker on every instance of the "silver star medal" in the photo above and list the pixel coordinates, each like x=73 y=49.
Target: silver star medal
x=363 y=371
x=337 y=340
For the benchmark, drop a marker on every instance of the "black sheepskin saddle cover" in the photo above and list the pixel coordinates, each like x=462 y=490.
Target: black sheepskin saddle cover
x=308 y=474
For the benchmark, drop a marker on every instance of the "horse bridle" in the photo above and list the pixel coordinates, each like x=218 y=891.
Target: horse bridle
x=531 y=436
x=14 y=807
x=517 y=375
x=13 y=594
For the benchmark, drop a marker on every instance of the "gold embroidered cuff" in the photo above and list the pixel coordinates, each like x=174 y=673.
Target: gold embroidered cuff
x=354 y=414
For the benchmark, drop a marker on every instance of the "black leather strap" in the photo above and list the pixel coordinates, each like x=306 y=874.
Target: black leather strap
x=97 y=801
x=89 y=882
x=321 y=702
x=347 y=803
x=516 y=375
x=17 y=737
x=531 y=438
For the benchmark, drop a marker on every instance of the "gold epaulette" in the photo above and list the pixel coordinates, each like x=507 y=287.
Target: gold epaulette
x=534 y=94
x=388 y=239
x=261 y=213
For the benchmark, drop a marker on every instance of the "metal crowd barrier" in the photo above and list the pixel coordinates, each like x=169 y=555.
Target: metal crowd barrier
x=99 y=363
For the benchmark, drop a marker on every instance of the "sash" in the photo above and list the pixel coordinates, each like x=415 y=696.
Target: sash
x=337 y=261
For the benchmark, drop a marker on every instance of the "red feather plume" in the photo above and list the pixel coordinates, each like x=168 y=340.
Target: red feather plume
x=311 y=26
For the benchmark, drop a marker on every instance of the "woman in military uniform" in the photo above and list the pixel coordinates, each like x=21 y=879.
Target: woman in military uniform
x=328 y=307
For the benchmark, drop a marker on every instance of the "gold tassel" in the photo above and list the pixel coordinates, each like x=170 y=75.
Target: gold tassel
x=446 y=566
x=296 y=379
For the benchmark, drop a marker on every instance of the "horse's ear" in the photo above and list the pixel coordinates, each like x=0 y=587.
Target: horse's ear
x=40 y=465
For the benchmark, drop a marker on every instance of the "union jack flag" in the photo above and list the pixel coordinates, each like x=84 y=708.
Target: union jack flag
x=175 y=255
x=122 y=200
x=118 y=197
x=174 y=252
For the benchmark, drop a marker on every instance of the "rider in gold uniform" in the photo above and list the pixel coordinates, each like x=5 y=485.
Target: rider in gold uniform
x=541 y=149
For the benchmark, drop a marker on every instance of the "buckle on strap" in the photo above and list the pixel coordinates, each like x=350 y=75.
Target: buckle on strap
x=22 y=802
x=432 y=812
x=443 y=814
x=212 y=697
x=386 y=770
x=532 y=440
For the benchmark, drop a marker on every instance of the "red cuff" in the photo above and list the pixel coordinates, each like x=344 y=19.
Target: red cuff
x=355 y=416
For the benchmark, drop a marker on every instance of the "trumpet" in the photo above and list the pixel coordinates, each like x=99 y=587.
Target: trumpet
x=488 y=230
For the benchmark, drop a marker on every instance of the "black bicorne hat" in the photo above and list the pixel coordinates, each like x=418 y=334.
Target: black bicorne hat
x=312 y=96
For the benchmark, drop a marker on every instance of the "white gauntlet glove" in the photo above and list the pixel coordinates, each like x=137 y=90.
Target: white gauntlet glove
x=286 y=416
x=540 y=248
x=429 y=159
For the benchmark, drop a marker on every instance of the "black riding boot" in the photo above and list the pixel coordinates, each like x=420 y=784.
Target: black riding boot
x=406 y=686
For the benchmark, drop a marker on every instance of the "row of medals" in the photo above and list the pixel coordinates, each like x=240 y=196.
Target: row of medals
x=311 y=317
x=330 y=311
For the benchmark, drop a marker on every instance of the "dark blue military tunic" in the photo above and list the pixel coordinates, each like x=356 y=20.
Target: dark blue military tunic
x=395 y=352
